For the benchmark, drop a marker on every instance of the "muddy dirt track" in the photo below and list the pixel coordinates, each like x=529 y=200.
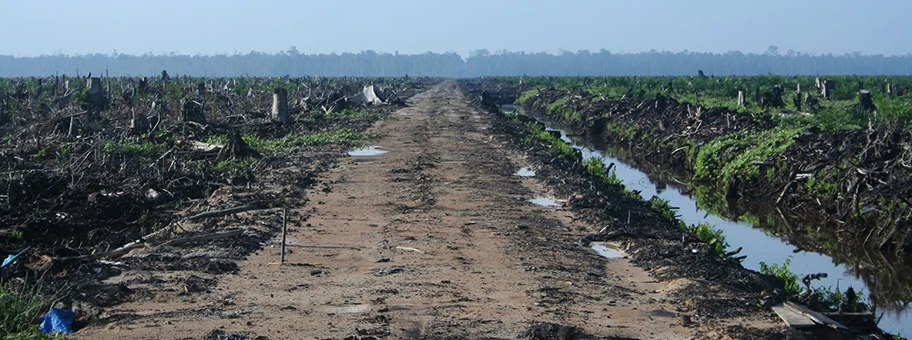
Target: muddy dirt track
x=434 y=239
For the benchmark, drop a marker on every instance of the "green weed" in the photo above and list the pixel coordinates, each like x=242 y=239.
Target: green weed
x=20 y=304
x=790 y=281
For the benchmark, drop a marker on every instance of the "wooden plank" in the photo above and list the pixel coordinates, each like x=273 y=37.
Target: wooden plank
x=793 y=319
x=817 y=317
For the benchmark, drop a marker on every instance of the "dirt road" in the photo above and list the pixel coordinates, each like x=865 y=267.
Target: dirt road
x=435 y=239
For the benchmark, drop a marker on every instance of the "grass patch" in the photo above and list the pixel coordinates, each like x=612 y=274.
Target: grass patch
x=132 y=149
x=20 y=304
x=527 y=96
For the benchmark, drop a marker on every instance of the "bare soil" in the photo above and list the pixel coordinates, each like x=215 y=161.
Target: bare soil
x=435 y=239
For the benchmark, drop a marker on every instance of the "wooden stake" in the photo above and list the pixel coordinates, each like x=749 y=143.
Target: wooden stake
x=284 y=231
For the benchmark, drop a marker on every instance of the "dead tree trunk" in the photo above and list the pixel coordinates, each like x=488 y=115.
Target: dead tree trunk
x=827 y=91
x=96 y=93
x=741 y=98
x=280 y=105
x=865 y=100
x=143 y=86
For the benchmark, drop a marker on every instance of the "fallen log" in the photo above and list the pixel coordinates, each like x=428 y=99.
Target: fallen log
x=223 y=212
x=138 y=244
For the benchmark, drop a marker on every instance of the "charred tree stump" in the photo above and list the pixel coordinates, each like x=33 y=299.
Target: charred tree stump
x=865 y=101
x=827 y=90
x=143 y=86
x=192 y=111
x=96 y=98
x=280 y=105
x=810 y=102
x=238 y=148
x=741 y=98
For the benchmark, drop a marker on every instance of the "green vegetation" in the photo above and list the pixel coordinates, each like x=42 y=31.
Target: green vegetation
x=704 y=232
x=790 y=281
x=344 y=137
x=132 y=148
x=20 y=304
x=563 y=149
x=738 y=154
x=595 y=167
x=526 y=96
x=713 y=236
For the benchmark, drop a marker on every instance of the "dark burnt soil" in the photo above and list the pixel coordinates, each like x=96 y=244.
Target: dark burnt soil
x=71 y=194
x=656 y=243
x=869 y=169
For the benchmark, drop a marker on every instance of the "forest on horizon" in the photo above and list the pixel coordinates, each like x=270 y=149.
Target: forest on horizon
x=452 y=65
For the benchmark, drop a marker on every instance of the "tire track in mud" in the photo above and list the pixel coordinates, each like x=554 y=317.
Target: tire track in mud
x=435 y=239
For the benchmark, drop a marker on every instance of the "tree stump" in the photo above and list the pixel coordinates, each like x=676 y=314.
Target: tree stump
x=827 y=90
x=96 y=93
x=866 y=101
x=741 y=98
x=280 y=105
x=143 y=86
x=192 y=111
x=810 y=102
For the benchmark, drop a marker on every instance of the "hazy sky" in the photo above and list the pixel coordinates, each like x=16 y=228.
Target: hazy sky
x=34 y=27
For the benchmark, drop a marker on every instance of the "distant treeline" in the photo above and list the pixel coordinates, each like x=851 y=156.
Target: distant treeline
x=480 y=63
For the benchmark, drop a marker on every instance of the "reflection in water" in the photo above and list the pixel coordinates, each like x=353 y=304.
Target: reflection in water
x=769 y=235
x=372 y=150
x=545 y=202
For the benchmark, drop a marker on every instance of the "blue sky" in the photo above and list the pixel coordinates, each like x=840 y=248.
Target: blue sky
x=37 y=27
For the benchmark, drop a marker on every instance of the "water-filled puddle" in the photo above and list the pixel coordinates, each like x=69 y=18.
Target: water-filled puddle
x=545 y=202
x=606 y=250
x=508 y=109
x=347 y=309
x=372 y=150
x=525 y=172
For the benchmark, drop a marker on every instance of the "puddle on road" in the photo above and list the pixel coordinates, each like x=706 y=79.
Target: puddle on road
x=606 y=250
x=525 y=172
x=347 y=309
x=545 y=202
x=372 y=150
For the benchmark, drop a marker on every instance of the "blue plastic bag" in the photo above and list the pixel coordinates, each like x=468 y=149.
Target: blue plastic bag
x=8 y=260
x=57 y=321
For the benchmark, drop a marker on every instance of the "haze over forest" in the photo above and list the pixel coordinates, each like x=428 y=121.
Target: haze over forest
x=217 y=38
x=479 y=63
